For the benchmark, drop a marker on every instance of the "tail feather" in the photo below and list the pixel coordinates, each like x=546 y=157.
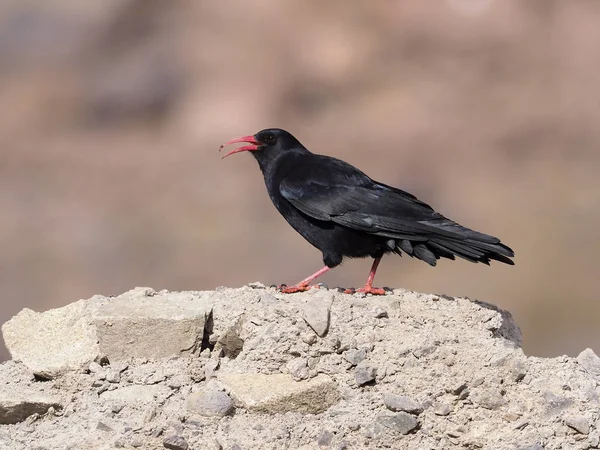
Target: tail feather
x=475 y=247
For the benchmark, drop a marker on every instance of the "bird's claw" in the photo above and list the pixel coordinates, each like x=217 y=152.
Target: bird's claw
x=366 y=290
x=284 y=289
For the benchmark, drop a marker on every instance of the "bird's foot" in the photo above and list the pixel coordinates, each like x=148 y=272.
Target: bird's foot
x=366 y=290
x=293 y=289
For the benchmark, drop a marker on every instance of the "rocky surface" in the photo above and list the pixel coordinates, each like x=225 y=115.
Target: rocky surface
x=251 y=368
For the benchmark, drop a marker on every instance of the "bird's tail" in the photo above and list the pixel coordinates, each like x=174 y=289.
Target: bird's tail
x=468 y=244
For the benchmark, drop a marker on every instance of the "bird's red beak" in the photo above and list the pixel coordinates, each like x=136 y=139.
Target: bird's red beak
x=246 y=148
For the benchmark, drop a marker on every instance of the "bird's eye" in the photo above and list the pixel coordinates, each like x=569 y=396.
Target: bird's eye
x=270 y=138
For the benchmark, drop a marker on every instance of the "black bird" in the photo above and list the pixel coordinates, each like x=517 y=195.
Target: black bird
x=343 y=212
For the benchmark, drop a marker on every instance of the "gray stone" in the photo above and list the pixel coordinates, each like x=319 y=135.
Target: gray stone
x=139 y=323
x=210 y=403
x=230 y=341
x=175 y=443
x=298 y=368
x=442 y=409
x=16 y=405
x=210 y=368
x=530 y=447
x=380 y=313
x=401 y=422
x=94 y=367
x=589 y=361
x=578 y=423
x=354 y=356
x=364 y=374
x=555 y=403
x=488 y=399
x=401 y=403
x=316 y=312
x=113 y=376
x=279 y=393
x=324 y=440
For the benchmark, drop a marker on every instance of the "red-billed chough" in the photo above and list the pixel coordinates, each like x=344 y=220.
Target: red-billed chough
x=343 y=212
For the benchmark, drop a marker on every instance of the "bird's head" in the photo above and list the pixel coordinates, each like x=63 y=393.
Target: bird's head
x=264 y=144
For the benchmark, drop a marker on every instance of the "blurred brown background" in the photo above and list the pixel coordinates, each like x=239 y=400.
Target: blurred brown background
x=112 y=113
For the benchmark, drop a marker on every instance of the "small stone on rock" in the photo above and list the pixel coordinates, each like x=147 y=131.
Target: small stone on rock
x=325 y=439
x=578 y=423
x=210 y=403
x=113 y=376
x=401 y=422
x=175 y=443
x=354 y=356
x=316 y=313
x=401 y=403
x=94 y=367
x=364 y=374
x=442 y=409
x=298 y=368
x=589 y=361
x=380 y=313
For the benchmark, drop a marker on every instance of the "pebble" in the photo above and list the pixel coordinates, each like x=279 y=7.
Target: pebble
x=401 y=403
x=589 y=361
x=401 y=422
x=175 y=443
x=380 y=313
x=113 y=376
x=316 y=313
x=325 y=439
x=578 y=423
x=364 y=374
x=489 y=400
x=298 y=368
x=94 y=367
x=117 y=407
x=442 y=409
x=210 y=368
x=354 y=356
x=210 y=403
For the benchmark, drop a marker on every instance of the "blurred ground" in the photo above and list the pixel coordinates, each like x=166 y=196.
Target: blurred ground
x=112 y=114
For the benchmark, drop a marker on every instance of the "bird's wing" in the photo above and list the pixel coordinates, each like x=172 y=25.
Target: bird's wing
x=338 y=192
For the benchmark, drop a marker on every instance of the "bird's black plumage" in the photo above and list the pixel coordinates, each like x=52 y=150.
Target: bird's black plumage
x=343 y=212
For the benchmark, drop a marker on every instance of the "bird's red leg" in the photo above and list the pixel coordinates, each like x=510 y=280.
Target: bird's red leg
x=304 y=285
x=368 y=288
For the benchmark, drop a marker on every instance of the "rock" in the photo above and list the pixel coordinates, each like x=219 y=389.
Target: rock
x=18 y=405
x=380 y=313
x=279 y=393
x=401 y=403
x=578 y=423
x=589 y=361
x=230 y=341
x=354 y=356
x=488 y=399
x=94 y=367
x=175 y=443
x=316 y=313
x=113 y=376
x=139 y=323
x=555 y=403
x=210 y=368
x=443 y=409
x=364 y=374
x=530 y=447
x=298 y=368
x=210 y=403
x=138 y=394
x=401 y=422
x=324 y=440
